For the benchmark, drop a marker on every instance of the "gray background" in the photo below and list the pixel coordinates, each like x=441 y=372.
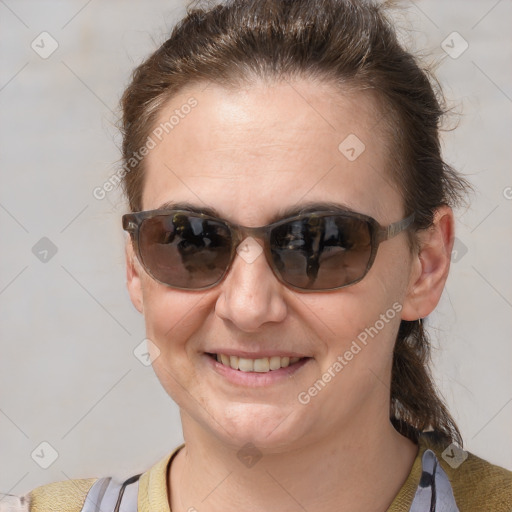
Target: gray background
x=68 y=375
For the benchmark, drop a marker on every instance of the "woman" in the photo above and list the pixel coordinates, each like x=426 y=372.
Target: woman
x=290 y=227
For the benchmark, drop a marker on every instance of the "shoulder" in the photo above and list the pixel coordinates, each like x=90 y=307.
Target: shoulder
x=147 y=490
x=479 y=485
x=476 y=483
x=65 y=496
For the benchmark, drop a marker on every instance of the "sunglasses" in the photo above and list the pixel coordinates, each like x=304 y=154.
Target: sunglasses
x=317 y=251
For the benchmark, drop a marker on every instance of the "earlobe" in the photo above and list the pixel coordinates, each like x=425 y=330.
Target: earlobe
x=430 y=266
x=133 y=279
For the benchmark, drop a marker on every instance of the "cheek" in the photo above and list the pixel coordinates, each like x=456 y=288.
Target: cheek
x=353 y=317
x=171 y=318
x=170 y=315
x=363 y=319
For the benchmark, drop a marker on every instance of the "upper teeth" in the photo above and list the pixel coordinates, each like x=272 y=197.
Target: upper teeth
x=263 y=364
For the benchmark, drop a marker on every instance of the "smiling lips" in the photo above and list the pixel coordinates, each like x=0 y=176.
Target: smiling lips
x=260 y=365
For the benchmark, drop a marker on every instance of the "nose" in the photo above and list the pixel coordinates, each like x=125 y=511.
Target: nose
x=250 y=294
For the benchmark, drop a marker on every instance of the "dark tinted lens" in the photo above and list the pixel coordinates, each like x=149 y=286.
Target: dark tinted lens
x=322 y=252
x=184 y=250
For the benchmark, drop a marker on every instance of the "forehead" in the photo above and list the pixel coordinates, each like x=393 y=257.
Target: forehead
x=252 y=151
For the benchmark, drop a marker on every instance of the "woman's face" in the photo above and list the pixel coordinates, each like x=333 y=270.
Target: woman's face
x=250 y=154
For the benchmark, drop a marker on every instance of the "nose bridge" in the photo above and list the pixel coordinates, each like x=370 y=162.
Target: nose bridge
x=251 y=249
x=243 y=232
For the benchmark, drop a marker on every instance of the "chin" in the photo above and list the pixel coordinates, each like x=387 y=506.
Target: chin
x=267 y=427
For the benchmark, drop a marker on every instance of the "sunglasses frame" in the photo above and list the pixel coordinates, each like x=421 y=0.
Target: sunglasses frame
x=133 y=221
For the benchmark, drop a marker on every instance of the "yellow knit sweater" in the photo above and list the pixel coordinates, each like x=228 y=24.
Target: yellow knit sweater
x=477 y=486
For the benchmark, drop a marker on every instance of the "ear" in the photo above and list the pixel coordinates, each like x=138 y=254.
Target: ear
x=133 y=279
x=431 y=263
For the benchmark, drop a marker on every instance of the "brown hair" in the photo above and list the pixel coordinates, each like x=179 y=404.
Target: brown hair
x=350 y=43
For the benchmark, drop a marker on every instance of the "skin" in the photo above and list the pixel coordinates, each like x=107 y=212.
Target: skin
x=250 y=153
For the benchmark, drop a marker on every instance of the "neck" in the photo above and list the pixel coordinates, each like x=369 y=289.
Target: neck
x=359 y=469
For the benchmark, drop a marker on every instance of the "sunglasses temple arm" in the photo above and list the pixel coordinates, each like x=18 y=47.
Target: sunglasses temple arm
x=397 y=227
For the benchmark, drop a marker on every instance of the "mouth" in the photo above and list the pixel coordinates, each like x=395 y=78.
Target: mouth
x=259 y=365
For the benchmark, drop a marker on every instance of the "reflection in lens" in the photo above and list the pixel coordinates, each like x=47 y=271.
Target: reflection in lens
x=321 y=252
x=184 y=250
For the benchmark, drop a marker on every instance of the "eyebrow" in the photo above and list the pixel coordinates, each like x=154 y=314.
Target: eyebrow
x=311 y=206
